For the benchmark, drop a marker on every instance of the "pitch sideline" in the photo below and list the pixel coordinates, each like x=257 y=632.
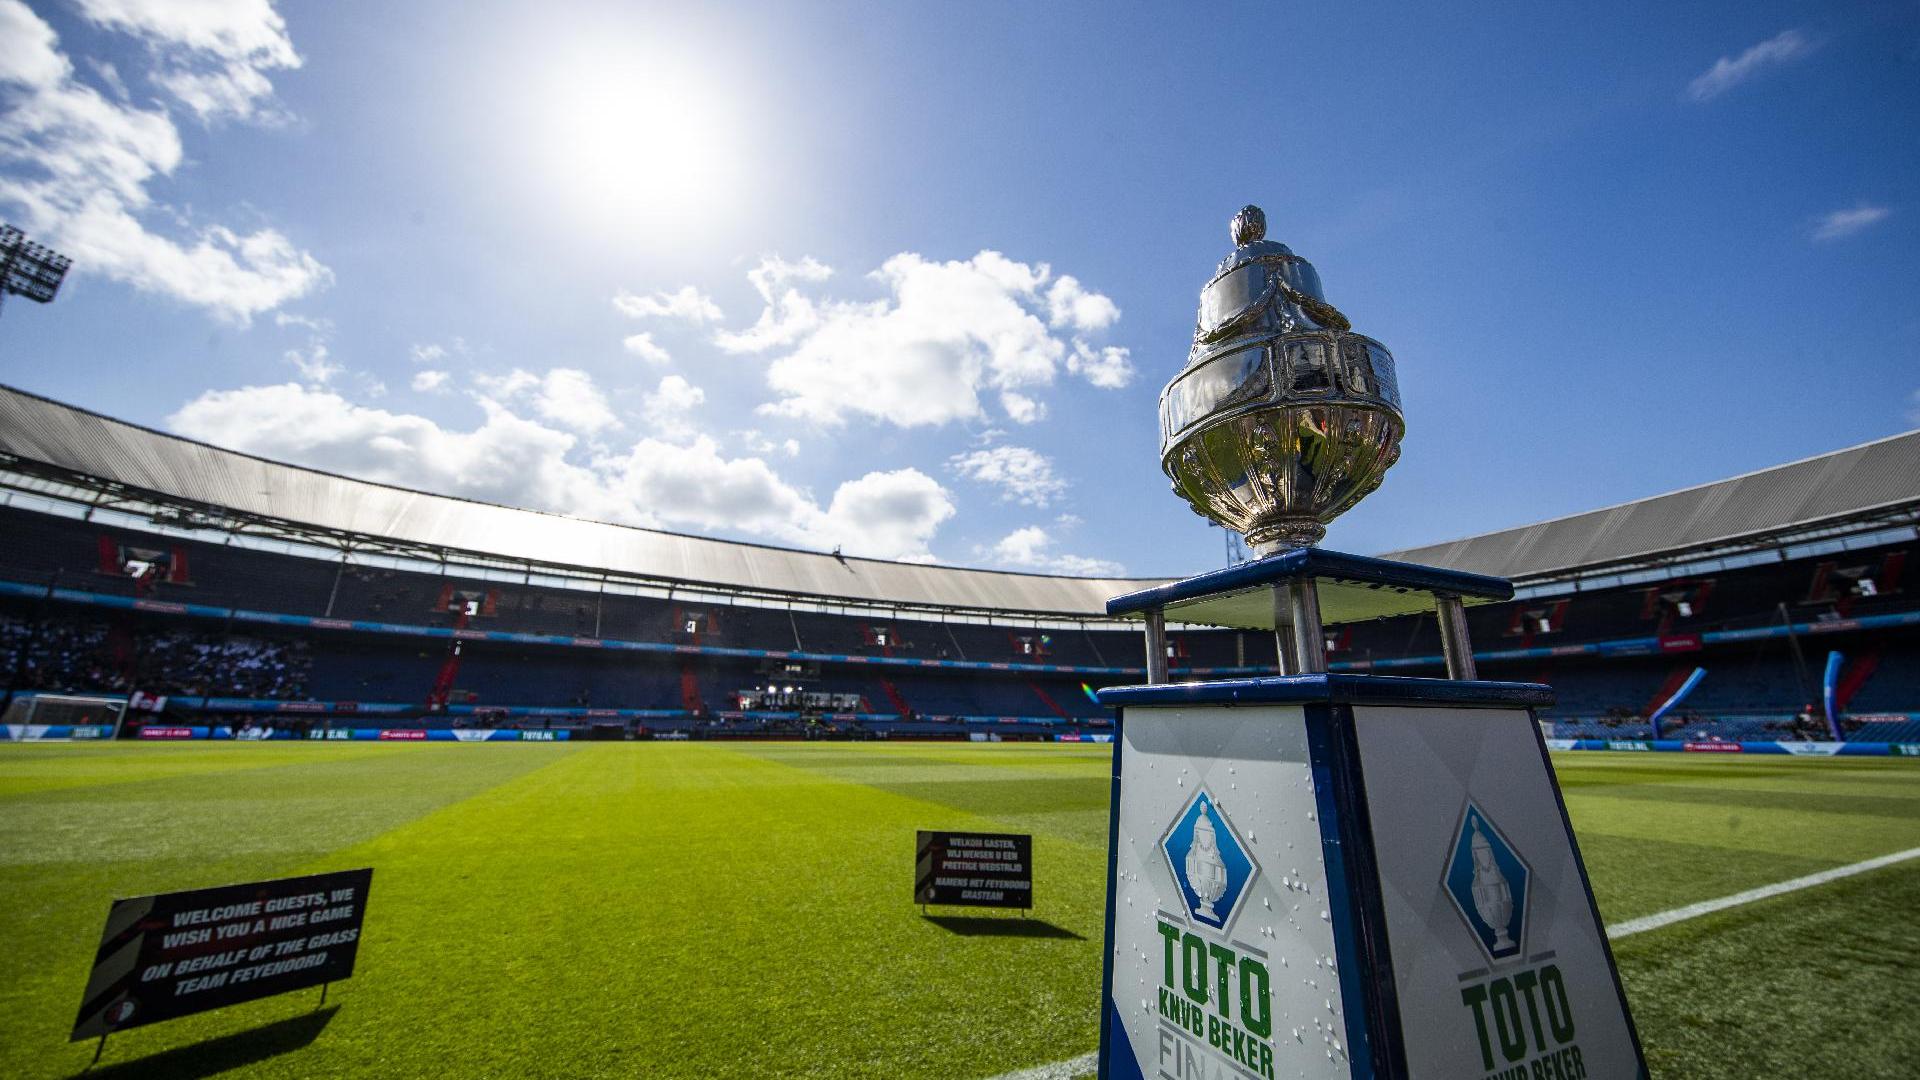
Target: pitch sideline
x=1708 y=907
x=1085 y=1063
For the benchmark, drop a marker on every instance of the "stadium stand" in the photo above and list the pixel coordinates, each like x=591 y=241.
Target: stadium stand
x=245 y=589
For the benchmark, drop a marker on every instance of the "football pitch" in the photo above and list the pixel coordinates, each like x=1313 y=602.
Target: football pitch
x=702 y=910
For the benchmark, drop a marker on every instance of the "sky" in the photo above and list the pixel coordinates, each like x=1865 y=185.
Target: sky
x=907 y=279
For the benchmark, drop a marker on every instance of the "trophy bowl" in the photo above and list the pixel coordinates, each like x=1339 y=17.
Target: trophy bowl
x=1283 y=418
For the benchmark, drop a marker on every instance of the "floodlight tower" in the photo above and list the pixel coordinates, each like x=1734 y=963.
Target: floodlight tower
x=29 y=269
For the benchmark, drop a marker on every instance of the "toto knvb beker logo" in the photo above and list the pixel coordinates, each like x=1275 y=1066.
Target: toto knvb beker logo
x=1209 y=861
x=1488 y=882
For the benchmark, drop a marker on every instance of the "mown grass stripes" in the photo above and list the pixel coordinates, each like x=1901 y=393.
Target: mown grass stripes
x=669 y=910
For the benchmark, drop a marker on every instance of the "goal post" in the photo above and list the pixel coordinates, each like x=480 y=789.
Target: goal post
x=99 y=716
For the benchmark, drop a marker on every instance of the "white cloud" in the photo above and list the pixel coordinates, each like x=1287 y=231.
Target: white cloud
x=788 y=314
x=305 y=322
x=213 y=57
x=1031 y=548
x=315 y=364
x=946 y=334
x=1020 y=408
x=1023 y=475
x=75 y=168
x=689 y=303
x=668 y=409
x=643 y=346
x=507 y=459
x=569 y=398
x=1729 y=72
x=565 y=396
x=761 y=444
x=428 y=354
x=1068 y=304
x=515 y=461
x=1844 y=223
x=1109 y=368
x=895 y=511
x=774 y=273
x=430 y=381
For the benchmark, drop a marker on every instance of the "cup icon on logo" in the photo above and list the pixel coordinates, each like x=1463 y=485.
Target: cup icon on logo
x=1489 y=883
x=1492 y=898
x=1206 y=871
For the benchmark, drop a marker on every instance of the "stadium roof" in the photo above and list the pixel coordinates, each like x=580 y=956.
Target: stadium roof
x=1871 y=482
x=1860 y=484
x=74 y=441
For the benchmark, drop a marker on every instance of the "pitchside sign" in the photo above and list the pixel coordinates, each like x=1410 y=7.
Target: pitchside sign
x=180 y=953
x=1337 y=890
x=975 y=869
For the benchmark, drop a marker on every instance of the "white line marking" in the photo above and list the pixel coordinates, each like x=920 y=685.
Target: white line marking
x=1708 y=907
x=1059 y=1070
x=1086 y=1063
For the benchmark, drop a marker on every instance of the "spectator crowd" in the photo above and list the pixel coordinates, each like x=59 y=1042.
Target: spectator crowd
x=91 y=656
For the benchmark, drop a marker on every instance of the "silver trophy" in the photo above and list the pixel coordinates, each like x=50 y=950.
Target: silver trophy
x=1283 y=418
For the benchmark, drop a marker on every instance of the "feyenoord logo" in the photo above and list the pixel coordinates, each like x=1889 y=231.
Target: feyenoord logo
x=1209 y=861
x=1487 y=880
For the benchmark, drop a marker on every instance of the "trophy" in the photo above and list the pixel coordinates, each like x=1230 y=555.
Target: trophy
x=1283 y=418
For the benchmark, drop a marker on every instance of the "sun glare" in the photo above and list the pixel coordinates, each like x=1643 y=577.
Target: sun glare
x=638 y=141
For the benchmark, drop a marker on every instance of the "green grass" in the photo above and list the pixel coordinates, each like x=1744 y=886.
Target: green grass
x=666 y=910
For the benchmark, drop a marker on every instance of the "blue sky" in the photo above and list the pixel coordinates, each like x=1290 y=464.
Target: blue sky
x=908 y=279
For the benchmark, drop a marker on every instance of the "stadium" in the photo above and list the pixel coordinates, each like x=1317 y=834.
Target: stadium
x=722 y=888
x=223 y=593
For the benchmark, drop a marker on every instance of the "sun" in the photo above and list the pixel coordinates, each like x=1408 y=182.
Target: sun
x=639 y=139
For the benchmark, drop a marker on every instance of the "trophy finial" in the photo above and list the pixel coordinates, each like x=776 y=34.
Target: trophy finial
x=1249 y=225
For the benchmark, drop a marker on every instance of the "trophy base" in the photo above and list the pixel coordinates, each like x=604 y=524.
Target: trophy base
x=1290 y=534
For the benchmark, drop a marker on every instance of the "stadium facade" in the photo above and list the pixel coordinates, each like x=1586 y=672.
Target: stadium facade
x=243 y=591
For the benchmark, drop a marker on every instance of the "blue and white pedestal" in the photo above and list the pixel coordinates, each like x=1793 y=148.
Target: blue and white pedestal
x=1327 y=875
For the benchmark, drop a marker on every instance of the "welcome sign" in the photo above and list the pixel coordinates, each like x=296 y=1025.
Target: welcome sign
x=175 y=954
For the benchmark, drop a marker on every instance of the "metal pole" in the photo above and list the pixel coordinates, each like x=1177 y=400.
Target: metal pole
x=1807 y=695
x=1156 y=645
x=1283 y=630
x=1309 y=638
x=1453 y=637
x=337 y=575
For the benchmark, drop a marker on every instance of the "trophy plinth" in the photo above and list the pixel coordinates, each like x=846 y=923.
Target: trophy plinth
x=1283 y=417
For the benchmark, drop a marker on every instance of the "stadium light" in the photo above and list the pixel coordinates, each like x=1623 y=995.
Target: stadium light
x=29 y=269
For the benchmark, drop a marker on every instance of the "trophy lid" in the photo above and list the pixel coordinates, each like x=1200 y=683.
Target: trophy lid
x=1261 y=276
x=1248 y=230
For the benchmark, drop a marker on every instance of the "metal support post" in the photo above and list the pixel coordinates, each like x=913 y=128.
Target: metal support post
x=1283 y=630
x=1453 y=637
x=1309 y=638
x=1156 y=645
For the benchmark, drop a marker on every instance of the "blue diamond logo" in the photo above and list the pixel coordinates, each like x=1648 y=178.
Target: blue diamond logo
x=1209 y=861
x=1488 y=882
